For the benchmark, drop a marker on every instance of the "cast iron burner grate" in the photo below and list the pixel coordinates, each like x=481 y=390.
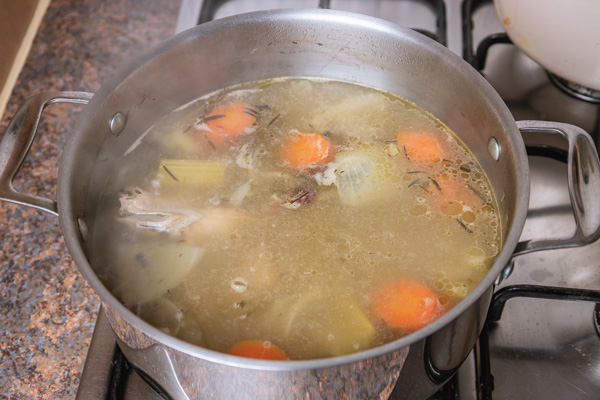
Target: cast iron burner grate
x=210 y=8
x=485 y=376
x=478 y=58
x=576 y=90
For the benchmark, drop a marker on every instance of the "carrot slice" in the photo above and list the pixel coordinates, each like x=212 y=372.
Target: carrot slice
x=212 y=141
x=420 y=147
x=226 y=124
x=233 y=119
x=407 y=304
x=452 y=194
x=306 y=150
x=257 y=349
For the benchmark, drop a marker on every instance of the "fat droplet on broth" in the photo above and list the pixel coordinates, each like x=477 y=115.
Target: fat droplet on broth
x=239 y=285
x=451 y=208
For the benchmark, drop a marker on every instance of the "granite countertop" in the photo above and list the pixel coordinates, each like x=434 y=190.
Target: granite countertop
x=47 y=311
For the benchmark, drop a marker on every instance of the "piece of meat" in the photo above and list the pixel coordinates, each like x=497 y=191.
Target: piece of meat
x=144 y=210
x=161 y=214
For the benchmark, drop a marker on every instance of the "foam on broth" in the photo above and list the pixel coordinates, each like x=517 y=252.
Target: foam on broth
x=218 y=243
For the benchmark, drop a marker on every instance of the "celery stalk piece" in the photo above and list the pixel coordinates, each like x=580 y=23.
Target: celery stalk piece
x=202 y=173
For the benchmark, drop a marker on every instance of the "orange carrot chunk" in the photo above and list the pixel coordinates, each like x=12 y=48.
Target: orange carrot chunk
x=420 y=147
x=232 y=120
x=452 y=192
x=226 y=124
x=406 y=305
x=306 y=150
x=257 y=349
x=211 y=141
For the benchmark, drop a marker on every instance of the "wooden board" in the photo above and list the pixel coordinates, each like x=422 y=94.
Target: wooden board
x=19 y=22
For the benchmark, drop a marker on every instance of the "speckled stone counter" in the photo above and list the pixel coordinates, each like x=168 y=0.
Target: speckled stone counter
x=47 y=311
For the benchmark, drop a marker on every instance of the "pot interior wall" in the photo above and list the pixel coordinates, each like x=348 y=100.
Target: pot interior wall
x=340 y=46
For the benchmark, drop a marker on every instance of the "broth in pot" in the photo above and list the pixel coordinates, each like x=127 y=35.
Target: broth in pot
x=295 y=219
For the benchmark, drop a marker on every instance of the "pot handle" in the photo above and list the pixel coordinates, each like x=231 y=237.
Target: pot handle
x=17 y=141
x=584 y=186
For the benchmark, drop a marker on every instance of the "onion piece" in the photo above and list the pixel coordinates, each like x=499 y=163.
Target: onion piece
x=356 y=178
x=238 y=196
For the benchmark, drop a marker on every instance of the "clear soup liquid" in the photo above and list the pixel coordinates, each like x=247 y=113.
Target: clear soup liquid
x=314 y=217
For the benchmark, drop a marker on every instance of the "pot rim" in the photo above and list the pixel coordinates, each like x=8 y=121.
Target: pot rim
x=68 y=167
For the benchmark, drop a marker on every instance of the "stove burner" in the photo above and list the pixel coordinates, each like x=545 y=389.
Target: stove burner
x=576 y=90
x=597 y=318
x=540 y=292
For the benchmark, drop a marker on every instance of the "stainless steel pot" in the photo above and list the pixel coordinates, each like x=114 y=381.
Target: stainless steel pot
x=321 y=43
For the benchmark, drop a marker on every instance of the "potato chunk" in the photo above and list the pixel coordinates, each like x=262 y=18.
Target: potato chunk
x=148 y=270
x=320 y=324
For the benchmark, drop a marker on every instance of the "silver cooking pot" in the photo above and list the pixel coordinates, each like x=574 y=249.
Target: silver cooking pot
x=300 y=43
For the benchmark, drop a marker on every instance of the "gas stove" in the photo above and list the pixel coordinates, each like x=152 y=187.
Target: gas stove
x=542 y=338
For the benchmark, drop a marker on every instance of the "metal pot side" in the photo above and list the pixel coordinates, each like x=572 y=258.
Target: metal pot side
x=412 y=371
x=183 y=376
x=297 y=43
